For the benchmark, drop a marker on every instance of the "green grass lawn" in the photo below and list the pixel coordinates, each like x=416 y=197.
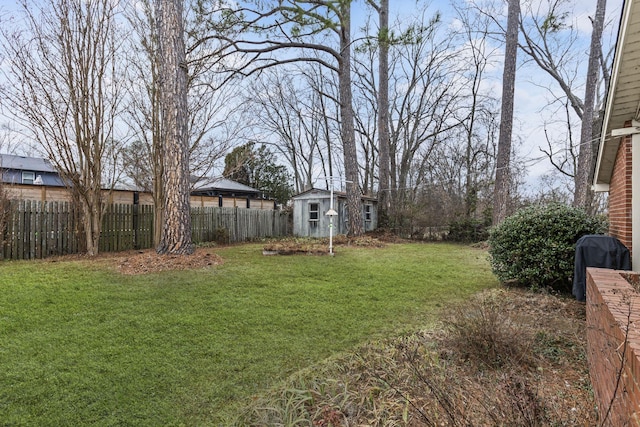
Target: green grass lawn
x=81 y=344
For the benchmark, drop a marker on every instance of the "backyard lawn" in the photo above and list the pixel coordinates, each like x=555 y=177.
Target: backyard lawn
x=82 y=344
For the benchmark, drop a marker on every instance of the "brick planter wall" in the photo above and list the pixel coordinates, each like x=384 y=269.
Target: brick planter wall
x=613 y=345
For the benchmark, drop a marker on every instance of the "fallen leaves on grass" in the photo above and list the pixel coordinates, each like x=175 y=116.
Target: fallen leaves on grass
x=148 y=261
x=145 y=261
x=320 y=246
x=428 y=378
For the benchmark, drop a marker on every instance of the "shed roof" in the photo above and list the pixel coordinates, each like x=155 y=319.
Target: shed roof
x=327 y=193
x=36 y=164
x=623 y=96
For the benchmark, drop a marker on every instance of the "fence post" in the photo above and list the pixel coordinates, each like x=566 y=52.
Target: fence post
x=235 y=222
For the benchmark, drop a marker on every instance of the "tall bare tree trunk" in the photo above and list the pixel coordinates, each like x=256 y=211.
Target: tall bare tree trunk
x=157 y=151
x=157 y=159
x=503 y=175
x=354 y=199
x=384 y=196
x=65 y=56
x=583 y=196
x=176 y=230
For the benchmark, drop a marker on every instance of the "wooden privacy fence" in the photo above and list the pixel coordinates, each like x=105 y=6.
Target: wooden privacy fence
x=34 y=229
x=236 y=224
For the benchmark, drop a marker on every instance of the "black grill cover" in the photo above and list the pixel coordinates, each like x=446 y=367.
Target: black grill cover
x=594 y=250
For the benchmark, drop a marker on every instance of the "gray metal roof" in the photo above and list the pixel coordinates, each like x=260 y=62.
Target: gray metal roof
x=327 y=194
x=221 y=183
x=623 y=97
x=35 y=164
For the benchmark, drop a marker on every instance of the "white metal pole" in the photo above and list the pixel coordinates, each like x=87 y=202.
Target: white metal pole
x=331 y=221
x=331 y=212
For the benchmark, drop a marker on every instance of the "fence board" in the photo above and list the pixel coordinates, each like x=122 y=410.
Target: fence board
x=35 y=229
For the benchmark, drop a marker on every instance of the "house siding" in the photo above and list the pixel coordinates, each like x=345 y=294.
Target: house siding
x=620 y=212
x=13 y=177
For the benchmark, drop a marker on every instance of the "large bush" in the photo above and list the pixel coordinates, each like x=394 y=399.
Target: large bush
x=536 y=246
x=469 y=230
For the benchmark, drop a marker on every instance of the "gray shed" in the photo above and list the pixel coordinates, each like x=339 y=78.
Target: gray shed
x=310 y=213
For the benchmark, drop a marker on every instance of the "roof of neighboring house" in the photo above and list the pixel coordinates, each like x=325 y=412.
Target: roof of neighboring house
x=223 y=184
x=36 y=164
x=327 y=193
x=623 y=96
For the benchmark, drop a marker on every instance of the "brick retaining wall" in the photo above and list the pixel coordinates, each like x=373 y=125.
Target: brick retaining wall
x=613 y=346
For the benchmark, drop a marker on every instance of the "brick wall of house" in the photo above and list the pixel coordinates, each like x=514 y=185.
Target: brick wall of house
x=613 y=346
x=620 y=194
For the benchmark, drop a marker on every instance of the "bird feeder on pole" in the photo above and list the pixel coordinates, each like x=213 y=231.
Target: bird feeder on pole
x=331 y=213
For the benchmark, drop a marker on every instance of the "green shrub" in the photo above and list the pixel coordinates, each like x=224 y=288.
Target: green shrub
x=221 y=236
x=468 y=230
x=536 y=246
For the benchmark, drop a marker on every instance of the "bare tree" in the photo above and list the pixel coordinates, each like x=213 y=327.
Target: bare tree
x=384 y=180
x=216 y=114
x=327 y=110
x=176 y=231
x=555 y=47
x=366 y=105
x=501 y=192
x=10 y=138
x=214 y=122
x=423 y=97
x=477 y=115
x=554 y=44
x=65 y=91
x=551 y=48
x=142 y=158
x=290 y=114
x=565 y=158
x=384 y=183
x=293 y=26
x=428 y=96
x=354 y=201
x=583 y=195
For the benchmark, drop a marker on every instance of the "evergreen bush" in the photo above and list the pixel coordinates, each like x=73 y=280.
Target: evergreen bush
x=535 y=247
x=469 y=230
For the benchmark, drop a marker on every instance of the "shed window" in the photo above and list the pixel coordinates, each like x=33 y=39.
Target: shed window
x=28 y=177
x=367 y=213
x=314 y=214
